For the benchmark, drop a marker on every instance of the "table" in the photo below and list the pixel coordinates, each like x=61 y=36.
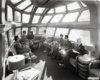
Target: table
x=28 y=74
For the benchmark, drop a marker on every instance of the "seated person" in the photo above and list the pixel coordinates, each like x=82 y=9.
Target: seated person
x=30 y=37
x=79 y=49
x=57 y=47
x=22 y=49
x=24 y=39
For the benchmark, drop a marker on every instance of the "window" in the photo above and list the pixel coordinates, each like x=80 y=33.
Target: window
x=17 y=16
x=41 y=30
x=59 y=31
x=40 y=10
x=9 y=13
x=85 y=16
x=24 y=4
x=29 y=9
x=15 y=1
x=70 y=17
x=83 y=34
x=18 y=32
x=36 y=19
x=60 y=9
x=11 y=36
x=26 y=29
x=73 y=6
x=50 y=32
x=57 y=18
x=34 y=30
x=25 y=18
x=46 y=19
x=51 y=11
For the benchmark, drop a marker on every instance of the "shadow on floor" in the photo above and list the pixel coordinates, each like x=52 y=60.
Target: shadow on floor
x=51 y=69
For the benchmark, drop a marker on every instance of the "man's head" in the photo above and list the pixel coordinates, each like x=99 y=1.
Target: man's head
x=31 y=32
x=61 y=35
x=79 y=40
x=66 y=36
x=44 y=31
x=16 y=38
x=24 y=32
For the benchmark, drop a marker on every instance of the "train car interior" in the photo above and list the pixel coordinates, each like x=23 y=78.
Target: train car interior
x=50 y=39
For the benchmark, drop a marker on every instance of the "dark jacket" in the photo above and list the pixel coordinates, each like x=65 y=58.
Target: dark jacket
x=80 y=48
x=21 y=49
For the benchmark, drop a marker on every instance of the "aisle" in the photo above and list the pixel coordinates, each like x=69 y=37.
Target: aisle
x=50 y=70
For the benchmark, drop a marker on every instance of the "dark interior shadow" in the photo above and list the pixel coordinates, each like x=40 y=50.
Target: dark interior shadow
x=56 y=72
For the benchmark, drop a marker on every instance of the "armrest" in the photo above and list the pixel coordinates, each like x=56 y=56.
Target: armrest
x=94 y=64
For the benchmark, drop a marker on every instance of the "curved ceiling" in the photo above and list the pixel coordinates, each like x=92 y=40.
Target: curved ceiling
x=41 y=11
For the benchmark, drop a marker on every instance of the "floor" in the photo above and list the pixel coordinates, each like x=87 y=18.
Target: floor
x=50 y=70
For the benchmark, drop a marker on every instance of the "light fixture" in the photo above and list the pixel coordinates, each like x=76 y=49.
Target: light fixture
x=90 y=48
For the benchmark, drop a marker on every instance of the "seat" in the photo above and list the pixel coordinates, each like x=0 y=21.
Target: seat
x=94 y=68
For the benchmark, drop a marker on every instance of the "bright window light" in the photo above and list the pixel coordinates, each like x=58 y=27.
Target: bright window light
x=41 y=30
x=73 y=6
x=9 y=13
x=25 y=18
x=84 y=5
x=15 y=1
x=24 y=4
x=46 y=19
x=34 y=30
x=60 y=9
x=59 y=31
x=70 y=17
x=18 y=31
x=36 y=19
x=40 y=10
x=29 y=9
x=50 y=31
x=85 y=16
x=83 y=34
x=98 y=1
x=51 y=11
x=17 y=16
x=11 y=36
x=57 y=18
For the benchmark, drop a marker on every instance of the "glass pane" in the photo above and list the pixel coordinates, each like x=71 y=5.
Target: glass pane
x=17 y=16
x=50 y=32
x=46 y=19
x=84 y=5
x=15 y=1
x=9 y=13
x=73 y=6
x=11 y=36
x=25 y=29
x=40 y=10
x=83 y=34
x=36 y=19
x=24 y=4
x=6 y=40
x=85 y=16
x=51 y=11
x=29 y=9
x=60 y=9
x=70 y=17
x=34 y=30
x=41 y=30
x=59 y=31
x=57 y=18
x=25 y=18
x=18 y=32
